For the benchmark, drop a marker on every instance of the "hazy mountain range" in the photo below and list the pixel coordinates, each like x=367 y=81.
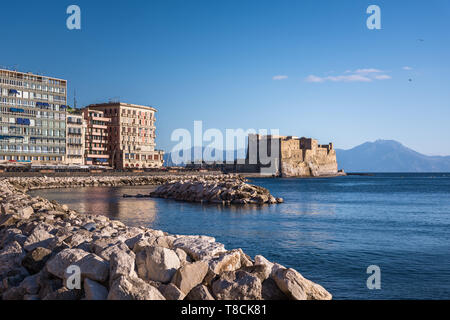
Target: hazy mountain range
x=389 y=156
x=378 y=156
x=171 y=160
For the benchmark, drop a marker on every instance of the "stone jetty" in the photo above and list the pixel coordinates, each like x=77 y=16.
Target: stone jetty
x=44 y=182
x=49 y=252
x=225 y=191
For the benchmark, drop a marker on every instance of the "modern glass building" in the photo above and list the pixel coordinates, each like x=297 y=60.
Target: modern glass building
x=32 y=118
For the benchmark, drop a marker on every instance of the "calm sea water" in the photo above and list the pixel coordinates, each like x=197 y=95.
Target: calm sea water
x=329 y=229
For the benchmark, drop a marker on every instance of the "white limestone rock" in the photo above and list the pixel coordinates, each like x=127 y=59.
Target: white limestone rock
x=237 y=285
x=199 y=248
x=129 y=288
x=157 y=264
x=190 y=275
x=296 y=287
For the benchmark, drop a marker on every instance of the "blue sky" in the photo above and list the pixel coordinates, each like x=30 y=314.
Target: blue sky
x=218 y=61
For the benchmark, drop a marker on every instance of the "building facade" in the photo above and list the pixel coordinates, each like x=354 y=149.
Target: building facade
x=33 y=118
x=76 y=129
x=96 y=137
x=131 y=134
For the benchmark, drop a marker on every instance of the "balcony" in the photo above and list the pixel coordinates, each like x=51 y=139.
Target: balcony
x=102 y=149
x=78 y=122
x=97 y=156
x=104 y=119
x=89 y=141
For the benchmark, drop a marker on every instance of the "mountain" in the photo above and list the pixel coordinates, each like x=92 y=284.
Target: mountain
x=389 y=156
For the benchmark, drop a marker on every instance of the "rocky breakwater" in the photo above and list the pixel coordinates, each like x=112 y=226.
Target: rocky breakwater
x=228 y=190
x=49 y=252
x=26 y=183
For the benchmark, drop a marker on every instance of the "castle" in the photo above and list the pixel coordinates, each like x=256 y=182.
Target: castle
x=292 y=156
x=285 y=156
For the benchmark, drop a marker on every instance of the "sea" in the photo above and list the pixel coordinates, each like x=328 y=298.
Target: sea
x=334 y=231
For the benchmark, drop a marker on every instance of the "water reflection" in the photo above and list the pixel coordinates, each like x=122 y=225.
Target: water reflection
x=109 y=202
x=329 y=229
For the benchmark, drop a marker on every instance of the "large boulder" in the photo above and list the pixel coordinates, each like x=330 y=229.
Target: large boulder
x=80 y=237
x=237 y=285
x=11 y=257
x=94 y=268
x=47 y=283
x=270 y=291
x=40 y=237
x=228 y=261
x=60 y=262
x=258 y=270
x=101 y=244
x=260 y=260
x=165 y=242
x=190 y=275
x=131 y=288
x=30 y=284
x=35 y=260
x=296 y=287
x=157 y=264
x=115 y=248
x=121 y=264
x=94 y=290
x=171 y=292
x=199 y=292
x=199 y=247
x=182 y=255
x=141 y=244
x=91 y=265
x=130 y=240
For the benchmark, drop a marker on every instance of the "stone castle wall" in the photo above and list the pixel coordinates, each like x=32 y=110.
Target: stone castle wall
x=304 y=157
x=300 y=157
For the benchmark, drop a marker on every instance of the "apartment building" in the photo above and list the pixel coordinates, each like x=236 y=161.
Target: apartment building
x=131 y=135
x=76 y=129
x=96 y=137
x=32 y=117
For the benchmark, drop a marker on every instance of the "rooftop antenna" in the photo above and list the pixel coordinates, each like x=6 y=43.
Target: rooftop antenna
x=74 y=99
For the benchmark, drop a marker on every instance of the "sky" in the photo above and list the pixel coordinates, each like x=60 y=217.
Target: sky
x=308 y=68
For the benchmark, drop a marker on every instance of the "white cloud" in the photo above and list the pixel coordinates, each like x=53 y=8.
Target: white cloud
x=407 y=68
x=349 y=78
x=342 y=78
x=313 y=78
x=383 y=77
x=368 y=71
x=359 y=75
x=279 y=77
